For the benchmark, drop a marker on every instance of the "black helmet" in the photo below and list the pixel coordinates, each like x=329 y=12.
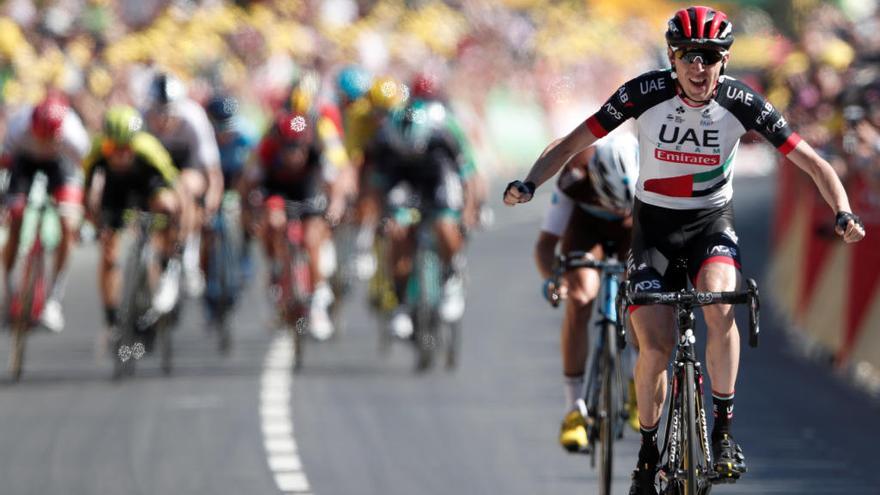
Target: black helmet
x=164 y=90
x=701 y=27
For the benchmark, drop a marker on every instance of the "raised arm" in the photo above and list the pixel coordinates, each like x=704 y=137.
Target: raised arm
x=551 y=160
x=805 y=157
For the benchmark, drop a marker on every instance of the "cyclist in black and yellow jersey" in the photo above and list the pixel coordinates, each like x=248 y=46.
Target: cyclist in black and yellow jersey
x=129 y=168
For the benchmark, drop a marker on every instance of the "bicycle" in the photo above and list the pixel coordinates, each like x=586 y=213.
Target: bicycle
x=223 y=277
x=685 y=466
x=140 y=326
x=604 y=395
x=295 y=284
x=40 y=234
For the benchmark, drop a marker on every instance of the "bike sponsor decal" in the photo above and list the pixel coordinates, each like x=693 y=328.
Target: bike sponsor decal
x=687 y=158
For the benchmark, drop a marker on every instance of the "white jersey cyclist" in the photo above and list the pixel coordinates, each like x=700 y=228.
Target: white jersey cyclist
x=191 y=143
x=687 y=153
x=71 y=144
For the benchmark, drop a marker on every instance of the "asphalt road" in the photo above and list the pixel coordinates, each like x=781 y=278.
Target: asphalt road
x=366 y=424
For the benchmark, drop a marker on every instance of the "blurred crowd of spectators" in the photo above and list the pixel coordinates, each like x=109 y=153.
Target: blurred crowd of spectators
x=561 y=58
x=547 y=54
x=827 y=80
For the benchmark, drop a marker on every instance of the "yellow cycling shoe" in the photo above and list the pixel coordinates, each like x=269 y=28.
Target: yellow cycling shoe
x=573 y=432
x=632 y=408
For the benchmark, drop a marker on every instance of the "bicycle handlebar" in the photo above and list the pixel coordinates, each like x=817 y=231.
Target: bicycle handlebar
x=692 y=298
x=582 y=259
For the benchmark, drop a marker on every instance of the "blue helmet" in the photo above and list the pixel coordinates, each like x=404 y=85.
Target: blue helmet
x=222 y=109
x=353 y=82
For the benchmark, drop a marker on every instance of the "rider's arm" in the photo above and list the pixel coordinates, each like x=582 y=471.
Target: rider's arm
x=806 y=158
x=754 y=112
x=559 y=151
x=629 y=101
x=554 y=225
x=206 y=155
x=75 y=138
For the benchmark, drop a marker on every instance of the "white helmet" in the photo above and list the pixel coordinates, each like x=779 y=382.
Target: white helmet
x=614 y=171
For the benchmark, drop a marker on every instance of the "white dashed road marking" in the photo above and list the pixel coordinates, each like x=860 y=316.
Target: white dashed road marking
x=276 y=419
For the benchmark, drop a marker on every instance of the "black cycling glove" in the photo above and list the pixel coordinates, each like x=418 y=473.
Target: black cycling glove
x=843 y=218
x=523 y=187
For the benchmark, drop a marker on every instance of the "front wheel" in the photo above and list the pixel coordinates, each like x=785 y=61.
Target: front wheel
x=608 y=410
x=693 y=458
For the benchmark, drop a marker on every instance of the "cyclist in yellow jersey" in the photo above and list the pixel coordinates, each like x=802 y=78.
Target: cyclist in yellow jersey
x=363 y=118
x=135 y=171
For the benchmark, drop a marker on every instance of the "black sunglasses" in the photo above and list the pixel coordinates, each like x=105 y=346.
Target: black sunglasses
x=705 y=57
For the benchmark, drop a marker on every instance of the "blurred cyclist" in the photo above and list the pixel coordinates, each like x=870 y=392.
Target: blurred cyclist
x=290 y=166
x=185 y=131
x=48 y=137
x=363 y=118
x=426 y=86
x=136 y=172
x=235 y=149
x=415 y=161
x=591 y=206
x=690 y=120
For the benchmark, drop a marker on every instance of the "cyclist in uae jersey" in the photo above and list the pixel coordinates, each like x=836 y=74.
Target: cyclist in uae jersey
x=690 y=119
x=47 y=137
x=591 y=208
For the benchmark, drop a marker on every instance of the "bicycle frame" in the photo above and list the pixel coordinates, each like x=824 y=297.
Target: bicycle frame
x=39 y=233
x=604 y=392
x=136 y=314
x=688 y=458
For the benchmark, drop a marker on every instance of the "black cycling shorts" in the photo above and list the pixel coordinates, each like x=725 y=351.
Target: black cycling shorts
x=662 y=236
x=61 y=174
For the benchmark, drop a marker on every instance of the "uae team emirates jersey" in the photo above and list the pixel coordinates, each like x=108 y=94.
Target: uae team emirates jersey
x=686 y=153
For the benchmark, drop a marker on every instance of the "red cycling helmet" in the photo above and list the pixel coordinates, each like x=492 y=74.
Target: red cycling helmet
x=48 y=116
x=424 y=86
x=701 y=27
x=293 y=128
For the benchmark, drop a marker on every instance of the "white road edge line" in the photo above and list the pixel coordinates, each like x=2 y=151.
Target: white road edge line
x=276 y=421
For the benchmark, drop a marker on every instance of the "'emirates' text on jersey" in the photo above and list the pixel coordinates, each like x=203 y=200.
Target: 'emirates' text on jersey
x=687 y=152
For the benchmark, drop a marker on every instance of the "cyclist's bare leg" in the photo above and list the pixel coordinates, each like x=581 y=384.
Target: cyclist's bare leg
x=583 y=285
x=10 y=251
x=402 y=249
x=272 y=228
x=70 y=215
x=722 y=341
x=165 y=202
x=449 y=237
x=316 y=232
x=109 y=280
x=653 y=326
